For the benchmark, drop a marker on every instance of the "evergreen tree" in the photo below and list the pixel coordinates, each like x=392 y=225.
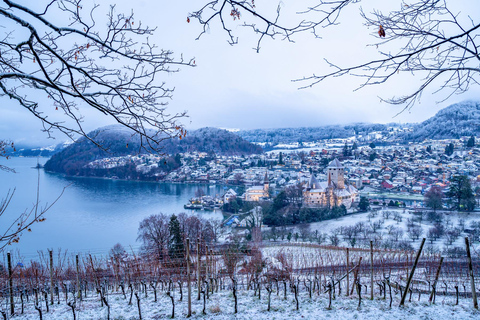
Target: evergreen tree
x=471 y=142
x=449 y=149
x=176 y=249
x=461 y=193
x=178 y=159
x=363 y=205
x=338 y=211
x=280 y=158
x=429 y=149
x=372 y=145
x=280 y=201
x=346 y=151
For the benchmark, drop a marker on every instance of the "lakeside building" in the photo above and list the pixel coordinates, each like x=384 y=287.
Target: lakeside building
x=256 y=193
x=332 y=192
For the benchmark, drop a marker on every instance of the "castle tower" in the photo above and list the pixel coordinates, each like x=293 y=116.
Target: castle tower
x=335 y=173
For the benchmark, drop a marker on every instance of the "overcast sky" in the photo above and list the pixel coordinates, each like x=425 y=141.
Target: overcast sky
x=236 y=87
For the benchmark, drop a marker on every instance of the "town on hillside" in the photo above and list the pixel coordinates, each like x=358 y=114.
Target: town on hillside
x=342 y=168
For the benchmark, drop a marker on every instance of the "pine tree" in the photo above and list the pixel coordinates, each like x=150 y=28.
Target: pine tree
x=176 y=249
x=449 y=149
x=461 y=193
x=471 y=142
x=364 y=204
x=346 y=151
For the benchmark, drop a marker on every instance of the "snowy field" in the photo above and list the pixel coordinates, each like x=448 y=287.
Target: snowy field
x=451 y=220
x=220 y=306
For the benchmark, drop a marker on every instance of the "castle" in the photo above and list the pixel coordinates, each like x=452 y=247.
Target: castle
x=332 y=192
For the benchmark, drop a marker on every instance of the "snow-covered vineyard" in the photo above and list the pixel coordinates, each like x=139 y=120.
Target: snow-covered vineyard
x=287 y=281
x=220 y=306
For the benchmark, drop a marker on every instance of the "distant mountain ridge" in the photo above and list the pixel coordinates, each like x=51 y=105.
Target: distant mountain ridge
x=457 y=120
x=28 y=151
x=311 y=134
x=452 y=122
x=119 y=141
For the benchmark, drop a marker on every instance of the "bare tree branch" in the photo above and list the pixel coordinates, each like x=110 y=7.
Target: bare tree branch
x=5 y=148
x=326 y=13
x=13 y=229
x=113 y=70
x=423 y=37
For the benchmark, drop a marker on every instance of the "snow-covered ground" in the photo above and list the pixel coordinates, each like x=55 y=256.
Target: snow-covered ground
x=450 y=220
x=220 y=306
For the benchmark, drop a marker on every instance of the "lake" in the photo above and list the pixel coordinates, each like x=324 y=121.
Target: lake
x=93 y=214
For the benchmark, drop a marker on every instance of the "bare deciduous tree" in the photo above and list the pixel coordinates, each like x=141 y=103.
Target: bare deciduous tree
x=13 y=226
x=227 y=10
x=425 y=38
x=84 y=65
x=154 y=234
x=5 y=147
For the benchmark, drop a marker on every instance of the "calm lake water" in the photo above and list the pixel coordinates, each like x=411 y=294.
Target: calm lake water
x=92 y=215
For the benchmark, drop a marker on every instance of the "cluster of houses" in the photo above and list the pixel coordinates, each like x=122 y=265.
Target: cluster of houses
x=414 y=168
x=398 y=168
x=411 y=169
x=329 y=193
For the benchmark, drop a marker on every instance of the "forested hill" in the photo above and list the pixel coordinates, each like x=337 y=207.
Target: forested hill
x=212 y=140
x=311 y=134
x=454 y=121
x=119 y=141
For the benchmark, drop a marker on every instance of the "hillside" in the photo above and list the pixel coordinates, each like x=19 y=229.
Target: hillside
x=119 y=141
x=212 y=140
x=454 y=121
x=311 y=134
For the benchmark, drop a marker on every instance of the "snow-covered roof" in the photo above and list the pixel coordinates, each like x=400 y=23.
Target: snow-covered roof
x=313 y=183
x=320 y=187
x=352 y=189
x=342 y=193
x=335 y=164
x=255 y=188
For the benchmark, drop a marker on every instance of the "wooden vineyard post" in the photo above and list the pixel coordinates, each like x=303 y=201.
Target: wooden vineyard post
x=79 y=287
x=199 y=289
x=371 y=269
x=189 y=314
x=212 y=270
x=470 y=273
x=404 y=294
x=355 y=274
x=10 y=283
x=50 y=252
x=206 y=265
x=436 y=280
x=348 y=276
